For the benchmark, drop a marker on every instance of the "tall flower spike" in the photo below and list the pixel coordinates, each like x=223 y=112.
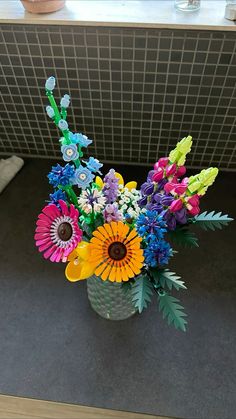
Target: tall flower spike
x=199 y=183
x=183 y=147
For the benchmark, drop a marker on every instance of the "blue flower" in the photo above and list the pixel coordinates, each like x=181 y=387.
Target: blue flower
x=50 y=83
x=61 y=175
x=83 y=177
x=151 y=224
x=56 y=196
x=157 y=252
x=69 y=152
x=94 y=165
x=80 y=139
x=62 y=124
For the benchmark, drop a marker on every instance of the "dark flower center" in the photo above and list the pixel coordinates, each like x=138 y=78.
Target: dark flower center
x=117 y=251
x=64 y=231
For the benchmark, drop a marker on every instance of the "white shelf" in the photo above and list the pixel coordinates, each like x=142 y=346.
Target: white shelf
x=126 y=13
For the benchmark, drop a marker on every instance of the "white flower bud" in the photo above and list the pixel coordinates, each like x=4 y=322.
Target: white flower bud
x=50 y=83
x=62 y=124
x=50 y=111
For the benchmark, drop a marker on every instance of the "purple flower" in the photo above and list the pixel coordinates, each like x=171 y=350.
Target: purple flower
x=111 y=213
x=147 y=188
x=111 y=186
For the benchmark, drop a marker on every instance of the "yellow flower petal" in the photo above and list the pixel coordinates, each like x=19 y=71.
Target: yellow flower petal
x=119 y=176
x=83 y=250
x=99 y=182
x=87 y=269
x=131 y=185
x=73 y=255
x=73 y=271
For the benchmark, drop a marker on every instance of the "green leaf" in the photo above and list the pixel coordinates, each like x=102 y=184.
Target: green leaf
x=172 y=311
x=212 y=220
x=126 y=286
x=142 y=290
x=169 y=279
x=183 y=237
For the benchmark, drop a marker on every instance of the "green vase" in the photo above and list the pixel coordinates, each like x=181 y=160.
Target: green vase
x=109 y=300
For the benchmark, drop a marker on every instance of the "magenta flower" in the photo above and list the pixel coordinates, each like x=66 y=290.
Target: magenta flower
x=176 y=205
x=158 y=175
x=57 y=231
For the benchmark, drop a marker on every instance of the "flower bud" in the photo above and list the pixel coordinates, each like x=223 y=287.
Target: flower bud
x=176 y=205
x=158 y=175
x=181 y=171
x=169 y=187
x=194 y=210
x=193 y=200
x=62 y=124
x=65 y=101
x=180 y=189
x=50 y=111
x=50 y=83
x=170 y=170
x=162 y=162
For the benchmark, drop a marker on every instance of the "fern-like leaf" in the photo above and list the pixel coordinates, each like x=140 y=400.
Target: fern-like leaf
x=169 y=279
x=172 y=311
x=142 y=290
x=183 y=237
x=212 y=220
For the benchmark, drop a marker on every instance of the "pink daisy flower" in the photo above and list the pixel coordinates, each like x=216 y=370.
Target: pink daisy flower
x=57 y=231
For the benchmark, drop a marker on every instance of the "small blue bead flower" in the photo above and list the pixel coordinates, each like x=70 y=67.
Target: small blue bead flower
x=83 y=177
x=65 y=101
x=50 y=111
x=56 y=196
x=69 y=152
x=61 y=175
x=157 y=252
x=62 y=124
x=50 y=83
x=80 y=139
x=94 y=165
x=151 y=224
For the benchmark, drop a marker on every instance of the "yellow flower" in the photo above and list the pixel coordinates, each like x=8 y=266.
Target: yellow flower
x=129 y=185
x=116 y=253
x=78 y=267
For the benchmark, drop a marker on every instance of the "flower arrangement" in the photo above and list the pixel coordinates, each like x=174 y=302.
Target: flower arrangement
x=113 y=230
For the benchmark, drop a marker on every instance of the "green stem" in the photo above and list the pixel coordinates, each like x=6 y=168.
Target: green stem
x=53 y=105
x=71 y=194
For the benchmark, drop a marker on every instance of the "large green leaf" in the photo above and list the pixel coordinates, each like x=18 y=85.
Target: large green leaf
x=183 y=237
x=212 y=220
x=166 y=278
x=172 y=311
x=142 y=290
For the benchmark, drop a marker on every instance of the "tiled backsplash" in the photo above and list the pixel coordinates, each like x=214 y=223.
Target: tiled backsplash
x=134 y=91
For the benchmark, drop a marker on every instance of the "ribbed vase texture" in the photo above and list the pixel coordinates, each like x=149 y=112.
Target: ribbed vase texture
x=109 y=300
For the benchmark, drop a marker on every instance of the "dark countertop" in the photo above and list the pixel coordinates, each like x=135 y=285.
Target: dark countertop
x=54 y=347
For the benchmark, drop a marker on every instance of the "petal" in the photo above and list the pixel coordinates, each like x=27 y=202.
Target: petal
x=120 y=178
x=40 y=229
x=43 y=241
x=131 y=185
x=87 y=269
x=112 y=275
x=42 y=236
x=64 y=207
x=108 y=230
x=73 y=271
x=56 y=255
x=102 y=230
x=51 y=211
x=99 y=181
x=105 y=273
x=100 y=269
x=83 y=250
x=48 y=252
x=131 y=236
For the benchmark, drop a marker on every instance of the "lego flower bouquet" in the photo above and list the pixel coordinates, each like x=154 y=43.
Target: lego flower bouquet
x=118 y=237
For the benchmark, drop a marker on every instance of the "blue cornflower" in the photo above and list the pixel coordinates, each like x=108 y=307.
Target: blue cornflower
x=80 y=139
x=94 y=165
x=69 y=152
x=83 y=177
x=151 y=224
x=54 y=197
x=157 y=252
x=61 y=175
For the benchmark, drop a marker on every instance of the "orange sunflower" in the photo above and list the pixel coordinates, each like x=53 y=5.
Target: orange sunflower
x=115 y=251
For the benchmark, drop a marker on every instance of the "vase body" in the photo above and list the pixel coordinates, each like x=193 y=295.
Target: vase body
x=109 y=299
x=43 y=6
